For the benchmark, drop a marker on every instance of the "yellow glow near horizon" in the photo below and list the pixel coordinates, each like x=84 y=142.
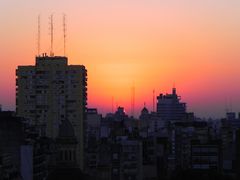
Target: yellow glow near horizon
x=194 y=44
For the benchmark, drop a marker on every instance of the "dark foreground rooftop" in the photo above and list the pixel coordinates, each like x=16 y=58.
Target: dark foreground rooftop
x=68 y=174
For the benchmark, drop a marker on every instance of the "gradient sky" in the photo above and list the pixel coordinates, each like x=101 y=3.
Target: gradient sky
x=152 y=44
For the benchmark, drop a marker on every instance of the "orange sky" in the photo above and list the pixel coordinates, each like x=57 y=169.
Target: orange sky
x=153 y=43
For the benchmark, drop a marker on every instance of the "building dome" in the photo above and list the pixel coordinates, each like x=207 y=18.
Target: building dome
x=144 y=111
x=66 y=129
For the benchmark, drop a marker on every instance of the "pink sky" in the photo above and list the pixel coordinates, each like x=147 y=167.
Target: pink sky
x=155 y=44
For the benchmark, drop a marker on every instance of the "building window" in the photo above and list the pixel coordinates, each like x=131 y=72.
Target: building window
x=66 y=155
x=74 y=155
x=61 y=155
x=70 y=155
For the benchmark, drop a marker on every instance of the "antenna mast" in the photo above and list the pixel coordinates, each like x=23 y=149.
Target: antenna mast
x=230 y=103
x=132 y=100
x=51 y=31
x=226 y=105
x=153 y=100
x=64 y=34
x=112 y=103
x=39 y=35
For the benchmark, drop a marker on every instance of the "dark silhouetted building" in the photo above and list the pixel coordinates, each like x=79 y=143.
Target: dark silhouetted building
x=51 y=92
x=169 y=107
x=11 y=139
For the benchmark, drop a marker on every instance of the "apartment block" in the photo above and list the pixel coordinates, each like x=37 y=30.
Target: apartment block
x=50 y=92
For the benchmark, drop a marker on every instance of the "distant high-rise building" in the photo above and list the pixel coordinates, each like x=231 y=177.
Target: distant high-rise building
x=49 y=93
x=170 y=108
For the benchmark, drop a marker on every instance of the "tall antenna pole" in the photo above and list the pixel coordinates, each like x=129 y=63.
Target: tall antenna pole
x=112 y=104
x=153 y=100
x=230 y=103
x=39 y=35
x=64 y=34
x=132 y=100
x=226 y=106
x=51 y=31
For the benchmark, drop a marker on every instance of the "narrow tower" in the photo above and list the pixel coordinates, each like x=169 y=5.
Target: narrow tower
x=39 y=35
x=51 y=33
x=153 y=100
x=132 y=100
x=112 y=104
x=64 y=34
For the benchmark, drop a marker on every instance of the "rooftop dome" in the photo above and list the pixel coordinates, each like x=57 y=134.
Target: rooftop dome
x=66 y=129
x=144 y=110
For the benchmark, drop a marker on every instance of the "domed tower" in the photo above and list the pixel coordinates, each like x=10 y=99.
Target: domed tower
x=144 y=113
x=66 y=145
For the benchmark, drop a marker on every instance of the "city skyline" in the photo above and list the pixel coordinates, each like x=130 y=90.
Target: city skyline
x=154 y=44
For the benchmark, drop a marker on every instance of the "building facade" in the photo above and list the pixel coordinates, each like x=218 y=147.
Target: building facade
x=170 y=107
x=50 y=92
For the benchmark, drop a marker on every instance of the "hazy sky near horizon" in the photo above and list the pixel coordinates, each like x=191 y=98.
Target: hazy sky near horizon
x=152 y=44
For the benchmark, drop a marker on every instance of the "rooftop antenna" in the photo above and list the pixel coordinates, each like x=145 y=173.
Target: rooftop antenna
x=39 y=35
x=51 y=32
x=230 y=104
x=132 y=100
x=112 y=103
x=226 y=106
x=153 y=100
x=64 y=33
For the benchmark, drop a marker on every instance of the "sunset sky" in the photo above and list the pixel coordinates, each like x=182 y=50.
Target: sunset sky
x=153 y=44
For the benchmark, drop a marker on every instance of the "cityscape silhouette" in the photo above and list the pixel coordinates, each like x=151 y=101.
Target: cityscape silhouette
x=119 y=90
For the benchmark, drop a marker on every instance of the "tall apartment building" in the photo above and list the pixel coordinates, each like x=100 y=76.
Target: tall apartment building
x=50 y=92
